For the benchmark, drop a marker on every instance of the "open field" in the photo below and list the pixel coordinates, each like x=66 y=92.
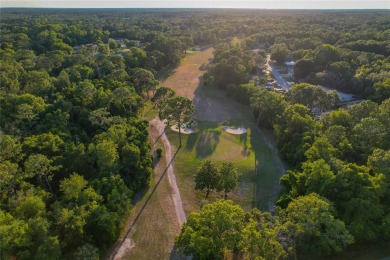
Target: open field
x=153 y=220
x=185 y=79
x=254 y=158
x=254 y=152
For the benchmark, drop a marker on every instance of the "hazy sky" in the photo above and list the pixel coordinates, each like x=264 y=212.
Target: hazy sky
x=272 y=4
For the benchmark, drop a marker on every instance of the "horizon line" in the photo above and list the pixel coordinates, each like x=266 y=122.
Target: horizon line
x=181 y=7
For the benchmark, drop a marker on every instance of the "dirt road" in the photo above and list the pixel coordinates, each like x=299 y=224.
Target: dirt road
x=279 y=78
x=181 y=216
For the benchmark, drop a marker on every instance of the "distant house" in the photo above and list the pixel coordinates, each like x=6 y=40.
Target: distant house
x=289 y=63
x=121 y=41
x=280 y=90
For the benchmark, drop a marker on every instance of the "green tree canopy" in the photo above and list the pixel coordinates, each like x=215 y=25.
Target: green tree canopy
x=228 y=177
x=207 y=177
x=316 y=232
x=216 y=228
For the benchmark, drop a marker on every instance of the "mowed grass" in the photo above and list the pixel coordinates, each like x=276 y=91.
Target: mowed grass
x=253 y=152
x=258 y=185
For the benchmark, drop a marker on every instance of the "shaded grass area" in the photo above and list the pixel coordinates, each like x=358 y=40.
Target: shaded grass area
x=148 y=112
x=253 y=156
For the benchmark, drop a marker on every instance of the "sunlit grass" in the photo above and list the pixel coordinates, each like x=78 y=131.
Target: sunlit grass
x=256 y=188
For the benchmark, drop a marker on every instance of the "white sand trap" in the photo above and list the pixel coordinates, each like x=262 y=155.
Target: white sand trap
x=184 y=129
x=234 y=131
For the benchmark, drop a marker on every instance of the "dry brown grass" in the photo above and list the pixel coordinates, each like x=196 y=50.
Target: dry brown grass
x=185 y=79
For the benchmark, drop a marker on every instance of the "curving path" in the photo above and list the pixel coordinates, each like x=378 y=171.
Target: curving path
x=181 y=216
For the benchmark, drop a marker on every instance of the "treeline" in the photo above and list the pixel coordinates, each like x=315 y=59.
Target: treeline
x=306 y=229
x=344 y=157
x=230 y=67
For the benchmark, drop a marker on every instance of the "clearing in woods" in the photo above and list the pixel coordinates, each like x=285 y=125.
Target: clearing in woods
x=185 y=78
x=151 y=229
x=254 y=152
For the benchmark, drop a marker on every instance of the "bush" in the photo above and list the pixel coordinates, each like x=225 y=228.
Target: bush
x=159 y=152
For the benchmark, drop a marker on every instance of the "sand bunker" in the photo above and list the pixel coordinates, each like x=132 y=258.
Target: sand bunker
x=234 y=131
x=184 y=129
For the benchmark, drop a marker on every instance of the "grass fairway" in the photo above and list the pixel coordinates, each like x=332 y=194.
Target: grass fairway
x=254 y=158
x=254 y=152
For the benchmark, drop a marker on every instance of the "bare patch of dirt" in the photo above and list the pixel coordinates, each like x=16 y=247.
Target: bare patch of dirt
x=126 y=247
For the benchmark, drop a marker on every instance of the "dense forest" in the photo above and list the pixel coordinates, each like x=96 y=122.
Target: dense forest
x=75 y=149
x=336 y=191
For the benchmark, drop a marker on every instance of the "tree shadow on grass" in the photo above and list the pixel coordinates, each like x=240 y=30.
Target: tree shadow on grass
x=112 y=256
x=244 y=138
x=207 y=143
x=175 y=255
x=244 y=142
x=191 y=140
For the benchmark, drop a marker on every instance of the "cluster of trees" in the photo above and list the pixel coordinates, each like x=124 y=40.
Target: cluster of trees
x=344 y=158
x=220 y=177
x=173 y=108
x=231 y=65
x=306 y=228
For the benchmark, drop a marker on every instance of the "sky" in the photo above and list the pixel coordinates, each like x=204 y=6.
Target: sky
x=268 y=4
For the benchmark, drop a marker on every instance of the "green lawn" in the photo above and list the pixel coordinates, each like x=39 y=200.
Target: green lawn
x=258 y=185
x=148 y=113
